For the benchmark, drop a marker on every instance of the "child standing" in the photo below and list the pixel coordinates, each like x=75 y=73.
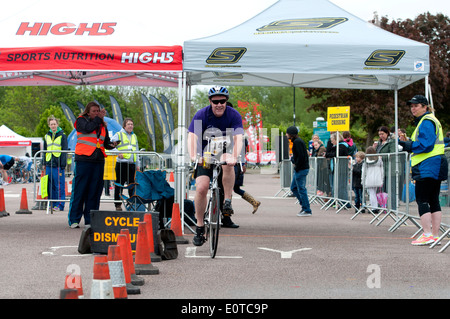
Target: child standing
x=356 y=179
x=373 y=174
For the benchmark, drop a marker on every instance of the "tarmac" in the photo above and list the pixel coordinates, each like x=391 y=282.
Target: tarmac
x=273 y=255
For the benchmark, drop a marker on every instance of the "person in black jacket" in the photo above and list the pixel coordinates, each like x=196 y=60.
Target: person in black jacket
x=300 y=159
x=356 y=178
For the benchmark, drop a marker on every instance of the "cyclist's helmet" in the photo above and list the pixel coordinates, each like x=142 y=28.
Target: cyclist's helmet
x=218 y=90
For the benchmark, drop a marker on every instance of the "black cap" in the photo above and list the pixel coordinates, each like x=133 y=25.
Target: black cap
x=292 y=130
x=418 y=99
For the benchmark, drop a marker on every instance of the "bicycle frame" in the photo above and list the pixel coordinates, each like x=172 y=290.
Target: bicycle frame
x=213 y=214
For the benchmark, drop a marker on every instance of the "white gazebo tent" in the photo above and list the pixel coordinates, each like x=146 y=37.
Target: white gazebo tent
x=90 y=43
x=309 y=44
x=12 y=143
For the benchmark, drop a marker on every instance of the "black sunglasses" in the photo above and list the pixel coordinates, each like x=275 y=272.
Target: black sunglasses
x=223 y=101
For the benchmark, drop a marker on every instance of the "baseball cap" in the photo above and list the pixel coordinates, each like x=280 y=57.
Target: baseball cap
x=418 y=99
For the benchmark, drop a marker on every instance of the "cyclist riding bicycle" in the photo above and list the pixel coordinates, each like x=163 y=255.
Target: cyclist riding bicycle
x=216 y=130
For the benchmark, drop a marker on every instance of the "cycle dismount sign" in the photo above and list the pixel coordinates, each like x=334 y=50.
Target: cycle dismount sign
x=338 y=118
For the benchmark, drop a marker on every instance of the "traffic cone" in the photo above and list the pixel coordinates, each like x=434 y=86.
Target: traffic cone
x=122 y=242
x=116 y=272
x=68 y=293
x=171 y=180
x=143 y=264
x=175 y=224
x=39 y=204
x=73 y=281
x=68 y=193
x=148 y=219
x=3 y=211
x=135 y=279
x=24 y=203
x=101 y=282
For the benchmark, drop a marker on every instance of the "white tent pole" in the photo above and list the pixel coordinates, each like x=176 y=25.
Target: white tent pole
x=396 y=150
x=180 y=189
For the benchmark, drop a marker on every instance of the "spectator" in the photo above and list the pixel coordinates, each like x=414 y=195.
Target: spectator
x=429 y=167
x=300 y=159
x=356 y=179
x=55 y=162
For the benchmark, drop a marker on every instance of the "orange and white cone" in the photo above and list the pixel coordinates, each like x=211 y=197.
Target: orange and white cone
x=73 y=281
x=151 y=243
x=116 y=272
x=3 y=211
x=135 y=279
x=125 y=253
x=143 y=264
x=175 y=225
x=101 y=283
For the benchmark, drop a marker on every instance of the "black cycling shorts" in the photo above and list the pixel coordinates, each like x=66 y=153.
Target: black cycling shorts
x=10 y=164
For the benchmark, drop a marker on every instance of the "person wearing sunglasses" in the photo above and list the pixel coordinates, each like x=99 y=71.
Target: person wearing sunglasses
x=215 y=130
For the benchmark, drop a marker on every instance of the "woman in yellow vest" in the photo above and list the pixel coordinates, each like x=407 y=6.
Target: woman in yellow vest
x=87 y=185
x=127 y=163
x=428 y=166
x=55 y=162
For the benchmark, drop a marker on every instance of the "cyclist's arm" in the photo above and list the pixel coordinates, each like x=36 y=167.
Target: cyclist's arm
x=192 y=146
x=237 y=148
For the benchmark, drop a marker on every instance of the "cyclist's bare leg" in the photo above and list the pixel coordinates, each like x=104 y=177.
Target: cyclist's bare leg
x=200 y=199
x=228 y=175
x=228 y=180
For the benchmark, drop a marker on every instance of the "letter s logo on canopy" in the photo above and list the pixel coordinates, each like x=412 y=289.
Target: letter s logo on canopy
x=302 y=24
x=226 y=55
x=384 y=57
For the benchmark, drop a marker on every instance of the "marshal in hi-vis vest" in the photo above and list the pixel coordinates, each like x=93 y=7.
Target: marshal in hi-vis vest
x=127 y=145
x=438 y=145
x=53 y=145
x=88 y=143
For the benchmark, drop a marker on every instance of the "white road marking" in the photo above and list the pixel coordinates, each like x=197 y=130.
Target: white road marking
x=285 y=254
x=191 y=253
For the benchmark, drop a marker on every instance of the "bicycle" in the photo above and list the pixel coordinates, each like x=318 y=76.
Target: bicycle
x=213 y=213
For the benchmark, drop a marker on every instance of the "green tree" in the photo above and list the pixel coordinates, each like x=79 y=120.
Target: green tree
x=42 y=127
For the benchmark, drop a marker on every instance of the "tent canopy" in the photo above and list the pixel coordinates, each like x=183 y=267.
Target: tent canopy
x=12 y=143
x=306 y=43
x=86 y=43
x=11 y=139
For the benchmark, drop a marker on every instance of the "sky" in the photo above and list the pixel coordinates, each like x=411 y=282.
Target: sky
x=204 y=17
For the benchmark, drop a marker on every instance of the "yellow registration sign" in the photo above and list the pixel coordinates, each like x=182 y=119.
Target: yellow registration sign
x=338 y=118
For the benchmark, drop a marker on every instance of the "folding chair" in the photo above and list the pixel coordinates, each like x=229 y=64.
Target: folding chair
x=150 y=186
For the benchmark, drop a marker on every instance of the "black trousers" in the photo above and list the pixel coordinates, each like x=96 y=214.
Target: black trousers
x=125 y=173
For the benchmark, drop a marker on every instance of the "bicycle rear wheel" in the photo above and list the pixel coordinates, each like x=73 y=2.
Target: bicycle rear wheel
x=214 y=223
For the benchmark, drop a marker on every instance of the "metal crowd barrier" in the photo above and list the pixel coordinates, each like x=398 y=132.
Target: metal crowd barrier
x=147 y=161
x=329 y=184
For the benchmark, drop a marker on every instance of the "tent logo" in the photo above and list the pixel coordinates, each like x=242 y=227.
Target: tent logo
x=302 y=24
x=38 y=28
x=226 y=55
x=384 y=57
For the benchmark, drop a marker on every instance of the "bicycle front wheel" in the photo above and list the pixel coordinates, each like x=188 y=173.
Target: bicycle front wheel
x=214 y=223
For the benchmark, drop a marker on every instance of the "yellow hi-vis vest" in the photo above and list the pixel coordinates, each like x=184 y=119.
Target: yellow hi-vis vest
x=127 y=145
x=53 y=145
x=438 y=144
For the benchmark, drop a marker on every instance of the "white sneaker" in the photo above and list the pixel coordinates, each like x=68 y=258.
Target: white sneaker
x=74 y=225
x=304 y=214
